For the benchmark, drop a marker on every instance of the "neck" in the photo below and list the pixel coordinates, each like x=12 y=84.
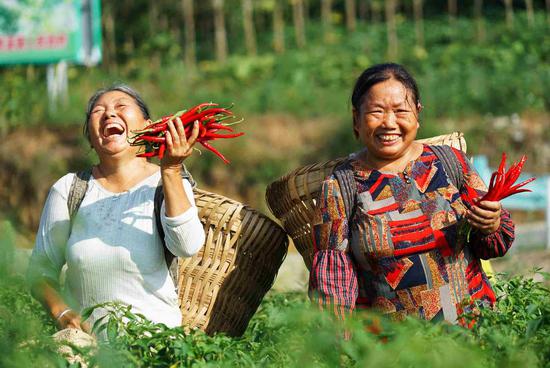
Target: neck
x=120 y=174
x=392 y=164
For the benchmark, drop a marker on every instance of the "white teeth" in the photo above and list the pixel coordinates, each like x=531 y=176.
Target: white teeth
x=388 y=137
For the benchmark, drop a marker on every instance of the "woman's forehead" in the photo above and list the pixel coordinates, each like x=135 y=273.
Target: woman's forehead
x=114 y=96
x=390 y=91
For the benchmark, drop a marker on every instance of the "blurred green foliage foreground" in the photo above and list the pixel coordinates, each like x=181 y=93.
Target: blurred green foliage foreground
x=286 y=332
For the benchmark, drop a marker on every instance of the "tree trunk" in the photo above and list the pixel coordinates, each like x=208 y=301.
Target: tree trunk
x=419 y=22
x=248 y=24
x=189 y=24
x=278 y=27
x=363 y=10
x=530 y=12
x=326 y=14
x=219 y=31
x=453 y=10
x=509 y=13
x=109 y=57
x=350 y=15
x=391 y=6
x=376 y=10
x=478 y=15
x=299 y=23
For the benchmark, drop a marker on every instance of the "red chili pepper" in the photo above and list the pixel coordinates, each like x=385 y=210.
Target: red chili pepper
x=148 y=138
x=215 y=151
x=214 y=135
x=161 y=150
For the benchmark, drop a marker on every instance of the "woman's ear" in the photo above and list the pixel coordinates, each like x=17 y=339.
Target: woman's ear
x=355 y=122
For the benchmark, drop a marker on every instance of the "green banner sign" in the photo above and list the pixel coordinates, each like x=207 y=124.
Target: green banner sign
x=49 y=31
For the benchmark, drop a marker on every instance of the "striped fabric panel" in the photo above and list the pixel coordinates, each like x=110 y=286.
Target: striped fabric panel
x=333 y=282
x=412 y=236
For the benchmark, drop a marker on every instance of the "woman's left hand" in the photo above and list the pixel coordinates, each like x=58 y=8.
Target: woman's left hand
x=485 y=216
x=178 y=147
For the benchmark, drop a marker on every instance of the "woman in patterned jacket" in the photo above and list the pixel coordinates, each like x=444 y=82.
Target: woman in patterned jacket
x=399 y=250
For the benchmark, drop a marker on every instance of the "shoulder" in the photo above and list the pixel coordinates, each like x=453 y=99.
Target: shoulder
x=63 y=184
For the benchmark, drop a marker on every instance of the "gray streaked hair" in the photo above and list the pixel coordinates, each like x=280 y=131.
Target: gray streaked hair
x=121 y=87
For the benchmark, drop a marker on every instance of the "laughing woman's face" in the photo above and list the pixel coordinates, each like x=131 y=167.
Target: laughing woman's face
x=113 y=116
x=387 y=121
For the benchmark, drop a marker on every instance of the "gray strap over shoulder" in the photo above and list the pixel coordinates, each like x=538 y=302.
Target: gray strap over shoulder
x=79 y=186
x=450 y=163
x=348 y=187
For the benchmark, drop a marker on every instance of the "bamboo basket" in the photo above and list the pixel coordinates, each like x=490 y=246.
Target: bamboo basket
x=292 y=197
x=221 y=287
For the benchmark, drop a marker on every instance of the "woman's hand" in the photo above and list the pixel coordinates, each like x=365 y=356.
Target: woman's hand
x=485 y=216
x=178 y=147
x=71 y=319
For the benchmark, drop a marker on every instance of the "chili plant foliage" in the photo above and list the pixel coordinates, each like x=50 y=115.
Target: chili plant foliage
x=287 y=331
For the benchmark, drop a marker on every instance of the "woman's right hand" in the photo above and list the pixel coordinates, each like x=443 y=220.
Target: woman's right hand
x=71 y=319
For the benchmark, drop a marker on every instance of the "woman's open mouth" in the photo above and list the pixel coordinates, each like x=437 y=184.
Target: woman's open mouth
x=113 y=130
x=388 y=139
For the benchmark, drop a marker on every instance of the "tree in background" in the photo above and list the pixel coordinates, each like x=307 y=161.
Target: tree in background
x=326 y=18
x=391 y=26
x=530 y=12
x=419 y=22
x=478 y=15
x=350 y=15
x=189 y=23
x=508 y=4
x=376 y=7
x=278 y=27
x=248 y=26
x=453 y=11
x=109 y=39
x=299 y=22
x=219 y=31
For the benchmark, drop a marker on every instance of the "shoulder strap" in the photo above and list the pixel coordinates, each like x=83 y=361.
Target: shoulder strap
x=79 y=186
x=450 y=163
x=348 y=187
x=171 y=259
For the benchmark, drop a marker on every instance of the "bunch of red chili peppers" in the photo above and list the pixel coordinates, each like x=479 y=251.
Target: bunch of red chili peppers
x=211 y=120
x=500 y=187
x=501 y=184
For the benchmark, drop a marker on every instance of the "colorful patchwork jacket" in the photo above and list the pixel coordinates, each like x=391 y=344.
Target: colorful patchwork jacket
x=401 y=252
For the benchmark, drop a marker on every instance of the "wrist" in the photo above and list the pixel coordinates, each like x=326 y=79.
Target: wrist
x=167 y=170
x=60 y=315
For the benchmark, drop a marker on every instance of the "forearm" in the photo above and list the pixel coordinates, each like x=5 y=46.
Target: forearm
x=49 y=297
x=176 y=201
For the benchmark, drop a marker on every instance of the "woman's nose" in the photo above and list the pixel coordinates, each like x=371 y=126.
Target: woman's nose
x=110 y=112
x=389 y=119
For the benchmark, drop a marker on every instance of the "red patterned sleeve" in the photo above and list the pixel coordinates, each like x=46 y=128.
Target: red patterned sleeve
x=333 y=279
x=497 y=243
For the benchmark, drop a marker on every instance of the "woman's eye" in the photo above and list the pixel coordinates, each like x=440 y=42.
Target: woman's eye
x=98 y=110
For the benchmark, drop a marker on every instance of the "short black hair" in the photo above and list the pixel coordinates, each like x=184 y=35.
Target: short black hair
x=380 y=73
x=121 y=87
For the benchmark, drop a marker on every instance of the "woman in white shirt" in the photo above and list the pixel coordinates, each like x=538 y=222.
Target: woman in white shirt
x=113 y=250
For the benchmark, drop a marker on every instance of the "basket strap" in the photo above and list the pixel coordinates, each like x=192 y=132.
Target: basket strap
x=348 y=187
x=78 y=189
x=171 y=259
x=450 y=163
